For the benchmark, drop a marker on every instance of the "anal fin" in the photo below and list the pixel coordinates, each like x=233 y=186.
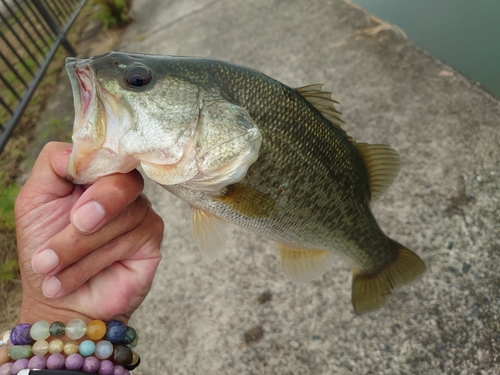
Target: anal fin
x=304 y=264
x=210 y=233
x=371 y=291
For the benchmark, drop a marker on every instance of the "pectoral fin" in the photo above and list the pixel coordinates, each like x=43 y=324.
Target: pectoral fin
x=210 y=233
x=371 y=291
x=304 y=264
x=248 y=201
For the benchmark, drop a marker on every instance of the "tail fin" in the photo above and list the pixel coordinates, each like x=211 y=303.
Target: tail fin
x=371 y=291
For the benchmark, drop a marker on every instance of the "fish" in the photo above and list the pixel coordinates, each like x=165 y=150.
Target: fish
x=243 y=149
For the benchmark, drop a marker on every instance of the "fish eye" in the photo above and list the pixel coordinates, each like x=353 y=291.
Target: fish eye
x=138 y=76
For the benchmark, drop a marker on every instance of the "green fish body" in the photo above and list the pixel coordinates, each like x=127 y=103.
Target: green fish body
x=243 y=148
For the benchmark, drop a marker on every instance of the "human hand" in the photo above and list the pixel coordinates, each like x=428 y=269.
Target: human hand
x=86 y=252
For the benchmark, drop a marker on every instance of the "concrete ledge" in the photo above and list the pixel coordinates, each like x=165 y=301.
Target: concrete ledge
x=240 y=315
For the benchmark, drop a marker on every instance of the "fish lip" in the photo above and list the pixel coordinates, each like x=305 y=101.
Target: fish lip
x=83 y=87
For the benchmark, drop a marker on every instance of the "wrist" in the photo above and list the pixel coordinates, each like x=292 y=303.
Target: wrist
x=33 y=311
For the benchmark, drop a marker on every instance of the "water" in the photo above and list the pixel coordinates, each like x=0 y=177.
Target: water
x=463 y=33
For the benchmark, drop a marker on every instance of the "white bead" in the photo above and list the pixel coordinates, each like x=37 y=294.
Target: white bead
x=75 y=329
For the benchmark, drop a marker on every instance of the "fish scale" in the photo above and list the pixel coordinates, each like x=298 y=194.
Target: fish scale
x=262 y=156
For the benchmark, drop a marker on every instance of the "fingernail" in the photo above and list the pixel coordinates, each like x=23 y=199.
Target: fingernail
x=88 y=216
x=51 y=286
x=45 y=262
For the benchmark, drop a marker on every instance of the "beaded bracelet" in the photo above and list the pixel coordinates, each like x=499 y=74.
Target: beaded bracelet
x=119 y=340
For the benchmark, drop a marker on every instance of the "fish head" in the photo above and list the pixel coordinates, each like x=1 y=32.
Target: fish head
x=131 y=109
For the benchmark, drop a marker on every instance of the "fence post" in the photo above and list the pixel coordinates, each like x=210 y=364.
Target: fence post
x=60 y=38
x=57 y=32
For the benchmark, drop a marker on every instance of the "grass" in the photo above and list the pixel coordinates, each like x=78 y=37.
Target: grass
x=7 y=198
x=58 y=128
x=115 y=13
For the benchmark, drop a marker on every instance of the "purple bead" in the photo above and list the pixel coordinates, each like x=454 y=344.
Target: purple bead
x=20 y=335
x=74 y=361
x=115 y=331
x=38 y=362
x=119 y=370
x=106 y=368
x=90 y=364
x=127 y=372
x=6 y=368
x=19 y=365
x=56 y=361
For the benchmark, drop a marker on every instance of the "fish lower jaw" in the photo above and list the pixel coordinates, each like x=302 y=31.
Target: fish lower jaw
x=85 y=168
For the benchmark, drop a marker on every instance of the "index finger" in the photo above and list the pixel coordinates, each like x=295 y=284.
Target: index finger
x=47 y=180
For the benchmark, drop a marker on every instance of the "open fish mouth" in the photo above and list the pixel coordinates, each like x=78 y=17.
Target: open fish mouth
x=95 y=129
x=82 y=86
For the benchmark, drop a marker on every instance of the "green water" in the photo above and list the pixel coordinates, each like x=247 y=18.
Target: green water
x=463 y=33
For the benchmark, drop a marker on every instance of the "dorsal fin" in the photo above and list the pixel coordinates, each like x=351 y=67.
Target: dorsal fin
x=322 y=101
x=382 y=163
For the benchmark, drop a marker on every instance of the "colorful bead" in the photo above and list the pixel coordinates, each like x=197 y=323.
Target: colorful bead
x=70 y=347
x=119 y=370
x=40 y=347
x=115 y=331
x=40 y=330
x=130 y=336
x=106 y=368
x=96 y=329
x=136 y=361
x=56 y=346
x=57 y=329
x=19 y=365
x=75 y=329
x=103 y=349
x=122 y=355
x=90 y=364
x=86 y=348
x=6 y=368
x=20 y=351
x=20 y=335
x=4 y=339
x=37 y=362
x=74 y=362
x=56 y=361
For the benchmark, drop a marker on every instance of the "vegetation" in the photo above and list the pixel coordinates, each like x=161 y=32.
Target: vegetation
x=7 y=197
x=115 y=13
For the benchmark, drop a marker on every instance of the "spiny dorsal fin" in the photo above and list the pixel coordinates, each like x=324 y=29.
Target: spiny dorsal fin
x=210 y=233
x=382 y=163
x=371 y=291
x=304 y=264
x=322 y=101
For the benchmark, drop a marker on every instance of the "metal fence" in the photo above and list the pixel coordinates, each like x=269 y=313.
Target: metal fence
x=30 y=33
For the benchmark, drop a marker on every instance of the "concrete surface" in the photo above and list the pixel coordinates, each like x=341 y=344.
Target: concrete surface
x=240 y=315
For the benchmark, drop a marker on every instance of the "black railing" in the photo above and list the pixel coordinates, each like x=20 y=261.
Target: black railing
x=30 y=33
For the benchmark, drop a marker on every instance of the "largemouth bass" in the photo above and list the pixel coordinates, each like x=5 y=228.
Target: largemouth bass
x=243 y=148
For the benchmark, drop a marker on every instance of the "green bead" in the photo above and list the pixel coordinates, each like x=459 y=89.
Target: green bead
x=20 y=351
x=40 y=330
x=130 y=336
x=57 y=329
